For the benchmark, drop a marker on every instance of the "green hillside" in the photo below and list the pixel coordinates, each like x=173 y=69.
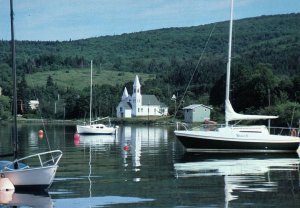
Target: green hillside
x=261 y=39
x=81 y=78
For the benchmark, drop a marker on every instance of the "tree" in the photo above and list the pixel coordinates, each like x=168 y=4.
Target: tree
x=4 y=107
x=50 y=82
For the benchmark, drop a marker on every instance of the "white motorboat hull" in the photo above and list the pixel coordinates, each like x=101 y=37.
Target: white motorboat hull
x=32 y=176
x=40 y=177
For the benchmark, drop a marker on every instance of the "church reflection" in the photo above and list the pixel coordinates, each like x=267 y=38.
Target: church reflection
x=134 y=140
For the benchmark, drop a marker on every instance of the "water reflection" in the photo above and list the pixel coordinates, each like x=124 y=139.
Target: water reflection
x=97 y=142
x=130 y=140
x=241 y=174
x=40 y=200
x=141 y=139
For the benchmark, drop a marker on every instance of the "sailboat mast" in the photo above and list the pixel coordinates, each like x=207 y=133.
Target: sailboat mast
x=229 y=58
x=91 y=92
x=13 y=51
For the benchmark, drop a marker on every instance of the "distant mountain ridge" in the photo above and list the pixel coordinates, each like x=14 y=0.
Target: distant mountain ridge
x=272 y=39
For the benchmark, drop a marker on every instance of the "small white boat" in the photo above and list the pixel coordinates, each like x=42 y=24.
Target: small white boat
x=92 y=127
x=39 y=175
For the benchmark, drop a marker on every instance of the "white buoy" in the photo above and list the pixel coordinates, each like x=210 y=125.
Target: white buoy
x=6 y=184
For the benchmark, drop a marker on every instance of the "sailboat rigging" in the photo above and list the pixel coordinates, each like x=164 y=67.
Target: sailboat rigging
x=232 y=138
x=27 y=176
x=93 y=127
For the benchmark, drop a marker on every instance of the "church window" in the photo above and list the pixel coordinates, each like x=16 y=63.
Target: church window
x=141 y=109
x=121 y=109
x=138 y=109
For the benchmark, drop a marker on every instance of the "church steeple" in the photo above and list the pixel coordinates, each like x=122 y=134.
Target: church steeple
x=136 y=97
x=136 y=83
x=125 y=94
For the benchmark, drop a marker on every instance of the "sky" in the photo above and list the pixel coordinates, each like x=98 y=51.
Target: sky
x=51 y=20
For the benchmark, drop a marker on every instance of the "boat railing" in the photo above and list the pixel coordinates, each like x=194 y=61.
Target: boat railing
x=44 y=159
x=180 y=125
x=190 y=127
x=284 y=131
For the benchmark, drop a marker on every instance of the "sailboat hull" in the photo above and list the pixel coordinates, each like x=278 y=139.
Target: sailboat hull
x=31 y=178
x=214 y=141
x=95 y=129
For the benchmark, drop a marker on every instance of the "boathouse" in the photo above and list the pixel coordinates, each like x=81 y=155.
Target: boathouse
x=196 y=113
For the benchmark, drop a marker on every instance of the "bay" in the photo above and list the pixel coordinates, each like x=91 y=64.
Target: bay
x=146 y=166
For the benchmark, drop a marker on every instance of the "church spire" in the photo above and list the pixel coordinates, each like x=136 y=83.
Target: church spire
x=136 y=82
x=125 y=94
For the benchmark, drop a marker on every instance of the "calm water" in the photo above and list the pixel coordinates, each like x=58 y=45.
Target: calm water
x=147 y=167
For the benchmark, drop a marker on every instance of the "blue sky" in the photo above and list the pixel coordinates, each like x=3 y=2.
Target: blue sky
x=78 y=19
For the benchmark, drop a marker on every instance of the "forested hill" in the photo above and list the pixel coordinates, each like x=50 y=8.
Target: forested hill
x=266 y=60
x=266 y=39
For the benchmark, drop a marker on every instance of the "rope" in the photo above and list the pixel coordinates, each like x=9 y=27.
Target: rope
x=43 y=123
x=195 y=70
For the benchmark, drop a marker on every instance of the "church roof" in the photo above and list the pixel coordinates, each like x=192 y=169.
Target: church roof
x=128 y=105
x=150 y=100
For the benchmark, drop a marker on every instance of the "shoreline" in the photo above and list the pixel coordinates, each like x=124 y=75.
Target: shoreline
x=166 y=120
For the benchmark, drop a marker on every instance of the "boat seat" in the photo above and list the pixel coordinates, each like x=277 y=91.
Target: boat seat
x=21 y=166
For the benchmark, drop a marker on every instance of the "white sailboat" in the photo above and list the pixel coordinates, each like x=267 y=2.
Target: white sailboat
x=93 y=127
x=40 y=172
x=232 y=138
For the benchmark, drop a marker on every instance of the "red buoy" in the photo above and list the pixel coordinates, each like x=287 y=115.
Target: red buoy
x=126 y=148
x=76 y=139
x=41 y=134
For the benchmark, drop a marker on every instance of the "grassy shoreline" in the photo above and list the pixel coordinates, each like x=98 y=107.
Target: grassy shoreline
x=166 y=120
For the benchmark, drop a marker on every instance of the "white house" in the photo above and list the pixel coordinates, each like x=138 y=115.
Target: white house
x=140 y=105
x=34 y=104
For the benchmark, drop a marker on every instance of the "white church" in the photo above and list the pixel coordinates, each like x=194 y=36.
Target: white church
x=140 y=105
